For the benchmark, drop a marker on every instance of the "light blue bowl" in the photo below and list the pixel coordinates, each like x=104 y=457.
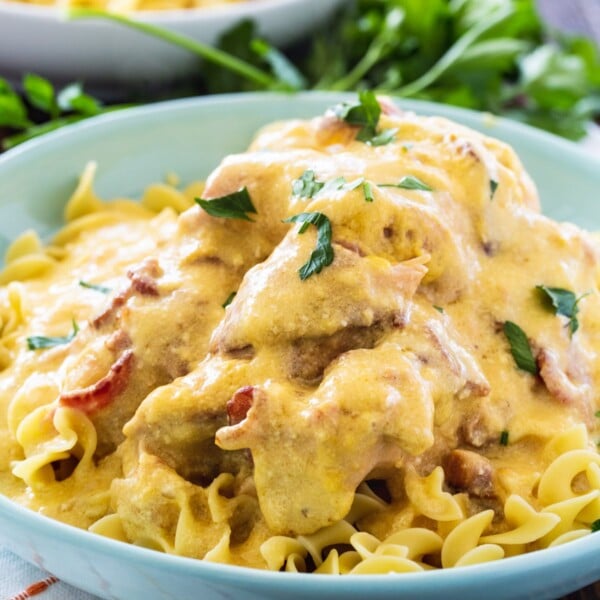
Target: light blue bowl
x=137 y=147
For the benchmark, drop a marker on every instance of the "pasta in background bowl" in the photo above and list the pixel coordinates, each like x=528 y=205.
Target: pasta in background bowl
x=106 y=56
x=154 y=140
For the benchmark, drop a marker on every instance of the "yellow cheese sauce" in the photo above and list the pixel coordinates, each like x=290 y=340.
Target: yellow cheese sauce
x=326 y=382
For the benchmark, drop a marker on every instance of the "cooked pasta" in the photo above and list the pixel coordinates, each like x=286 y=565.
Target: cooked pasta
x=362 y=350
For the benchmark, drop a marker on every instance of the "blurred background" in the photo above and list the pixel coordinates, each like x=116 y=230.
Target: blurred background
x=536 y=62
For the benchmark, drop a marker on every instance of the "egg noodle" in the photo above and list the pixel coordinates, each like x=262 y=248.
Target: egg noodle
x=362 y=353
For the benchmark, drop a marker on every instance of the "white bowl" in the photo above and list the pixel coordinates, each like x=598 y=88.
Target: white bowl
x=105 y=55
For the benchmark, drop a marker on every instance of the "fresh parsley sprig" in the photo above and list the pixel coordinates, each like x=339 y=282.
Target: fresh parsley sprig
x=59 y=108
x=322 y=256
x=236 y=205
x=40 y=342
x=562 y=302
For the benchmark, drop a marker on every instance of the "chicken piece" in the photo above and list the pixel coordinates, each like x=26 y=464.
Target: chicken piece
x=373 y=403
x=184 y=438
x=354 y=292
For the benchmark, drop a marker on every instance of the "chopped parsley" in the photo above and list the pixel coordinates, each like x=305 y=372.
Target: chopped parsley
x=595 y=526
x=520 y=348
x=598 y=414
x=504 y=438
x=93 y=286
x=409 y=182
x=231 y=206
x=322 y=255
x=40 y=342
x=493 y=187
x=439 y=309
x=229 y=299
x=368 y=191
x=306 y=186
x=384 y=138
x=562 y=302
x=365 y=114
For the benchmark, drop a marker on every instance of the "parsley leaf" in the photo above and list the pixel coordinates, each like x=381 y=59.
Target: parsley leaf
x=73 y=99
x=93 y=286
x=439 y=309
x=230 y=206
x=40 y=93
x=563 y=302
x=322 y=255
x=306 y=186
x=229 y=299
x=383 y=138
x=365 y=114
x=520 y=348
x=595 y=526
x=493 y=187
x=504 y=438
x=13 y=112
x=40 y=342
x=409 y=182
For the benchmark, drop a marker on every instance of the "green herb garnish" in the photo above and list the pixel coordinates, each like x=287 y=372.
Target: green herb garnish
x=598 y=414
x=365 y=114
x=93 y=286
x=595 y=526
x=322 y=255
x=306 y=186
x=231 y=206
x=563 y=302
x=368 y=191
x=504 y=438
x=40 y=94
x=40 y=342
x=520 y=348
x=387 y=136
x=439 y=309
x=229 y=299
x=409 y=182
x=493 y=187
x=60 y=108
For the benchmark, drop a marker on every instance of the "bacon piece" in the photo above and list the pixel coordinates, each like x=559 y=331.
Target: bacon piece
x=103 y=392
x=109 y=315
x=557 y=381
x=118 y=341
x=470 y=472
x=239 y=404
x=143 y=277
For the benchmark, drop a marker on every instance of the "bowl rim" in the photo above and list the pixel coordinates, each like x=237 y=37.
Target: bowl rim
x=489 y=122
x=518 y=566
x=234 y=10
